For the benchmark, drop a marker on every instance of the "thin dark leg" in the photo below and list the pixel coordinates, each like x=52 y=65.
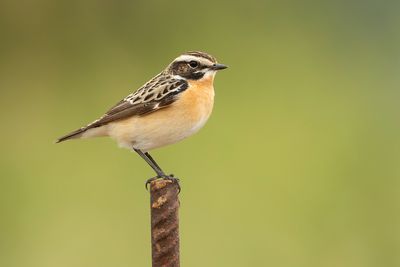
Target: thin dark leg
x=152 y=160
x=152 y=164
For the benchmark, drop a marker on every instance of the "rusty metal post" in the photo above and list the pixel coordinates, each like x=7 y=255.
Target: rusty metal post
x=164 y=223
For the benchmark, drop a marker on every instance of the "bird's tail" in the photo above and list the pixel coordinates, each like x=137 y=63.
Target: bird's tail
x=72 y=135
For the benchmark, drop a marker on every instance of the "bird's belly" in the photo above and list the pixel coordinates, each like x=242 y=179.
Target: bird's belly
x=157 y=133
x=163 y=127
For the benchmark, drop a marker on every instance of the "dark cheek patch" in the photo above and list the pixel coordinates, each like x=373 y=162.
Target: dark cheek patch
x=182 y=69
x=195 y=75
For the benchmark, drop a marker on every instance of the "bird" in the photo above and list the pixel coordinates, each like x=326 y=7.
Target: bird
x=173 y=105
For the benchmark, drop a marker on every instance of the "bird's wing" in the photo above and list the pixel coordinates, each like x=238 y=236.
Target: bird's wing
x=159 y=92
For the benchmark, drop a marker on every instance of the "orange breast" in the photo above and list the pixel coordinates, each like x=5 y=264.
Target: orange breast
x=168 y=125
x=198 y=100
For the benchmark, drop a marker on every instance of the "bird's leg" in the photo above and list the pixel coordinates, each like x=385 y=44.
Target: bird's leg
x=153 y=164
x=153 y=161
x=168 y=177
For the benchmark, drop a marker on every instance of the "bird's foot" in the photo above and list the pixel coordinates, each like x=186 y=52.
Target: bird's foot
x=166 y=177
x=174 y=180
x=148 y=181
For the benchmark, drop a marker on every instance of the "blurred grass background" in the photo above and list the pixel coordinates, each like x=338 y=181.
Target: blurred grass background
x=298 y=165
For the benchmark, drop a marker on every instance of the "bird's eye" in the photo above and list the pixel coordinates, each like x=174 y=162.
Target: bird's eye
x=193 y=64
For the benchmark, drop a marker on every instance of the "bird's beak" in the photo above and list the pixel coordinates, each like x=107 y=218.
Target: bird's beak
x=217 y=66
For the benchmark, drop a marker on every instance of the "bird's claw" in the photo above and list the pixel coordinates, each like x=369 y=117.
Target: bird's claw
x=148 y=181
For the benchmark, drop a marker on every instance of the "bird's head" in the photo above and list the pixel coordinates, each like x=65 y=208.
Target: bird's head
x=195 y=65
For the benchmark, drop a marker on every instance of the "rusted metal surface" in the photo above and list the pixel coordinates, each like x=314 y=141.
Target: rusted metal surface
x=164 y=223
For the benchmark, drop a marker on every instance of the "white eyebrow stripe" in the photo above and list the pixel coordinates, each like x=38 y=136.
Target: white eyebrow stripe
x=188 y=58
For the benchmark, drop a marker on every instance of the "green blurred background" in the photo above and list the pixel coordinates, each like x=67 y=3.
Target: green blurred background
x=298 y=165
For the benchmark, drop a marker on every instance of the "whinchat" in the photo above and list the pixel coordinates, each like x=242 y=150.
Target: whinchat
x=173 y=105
